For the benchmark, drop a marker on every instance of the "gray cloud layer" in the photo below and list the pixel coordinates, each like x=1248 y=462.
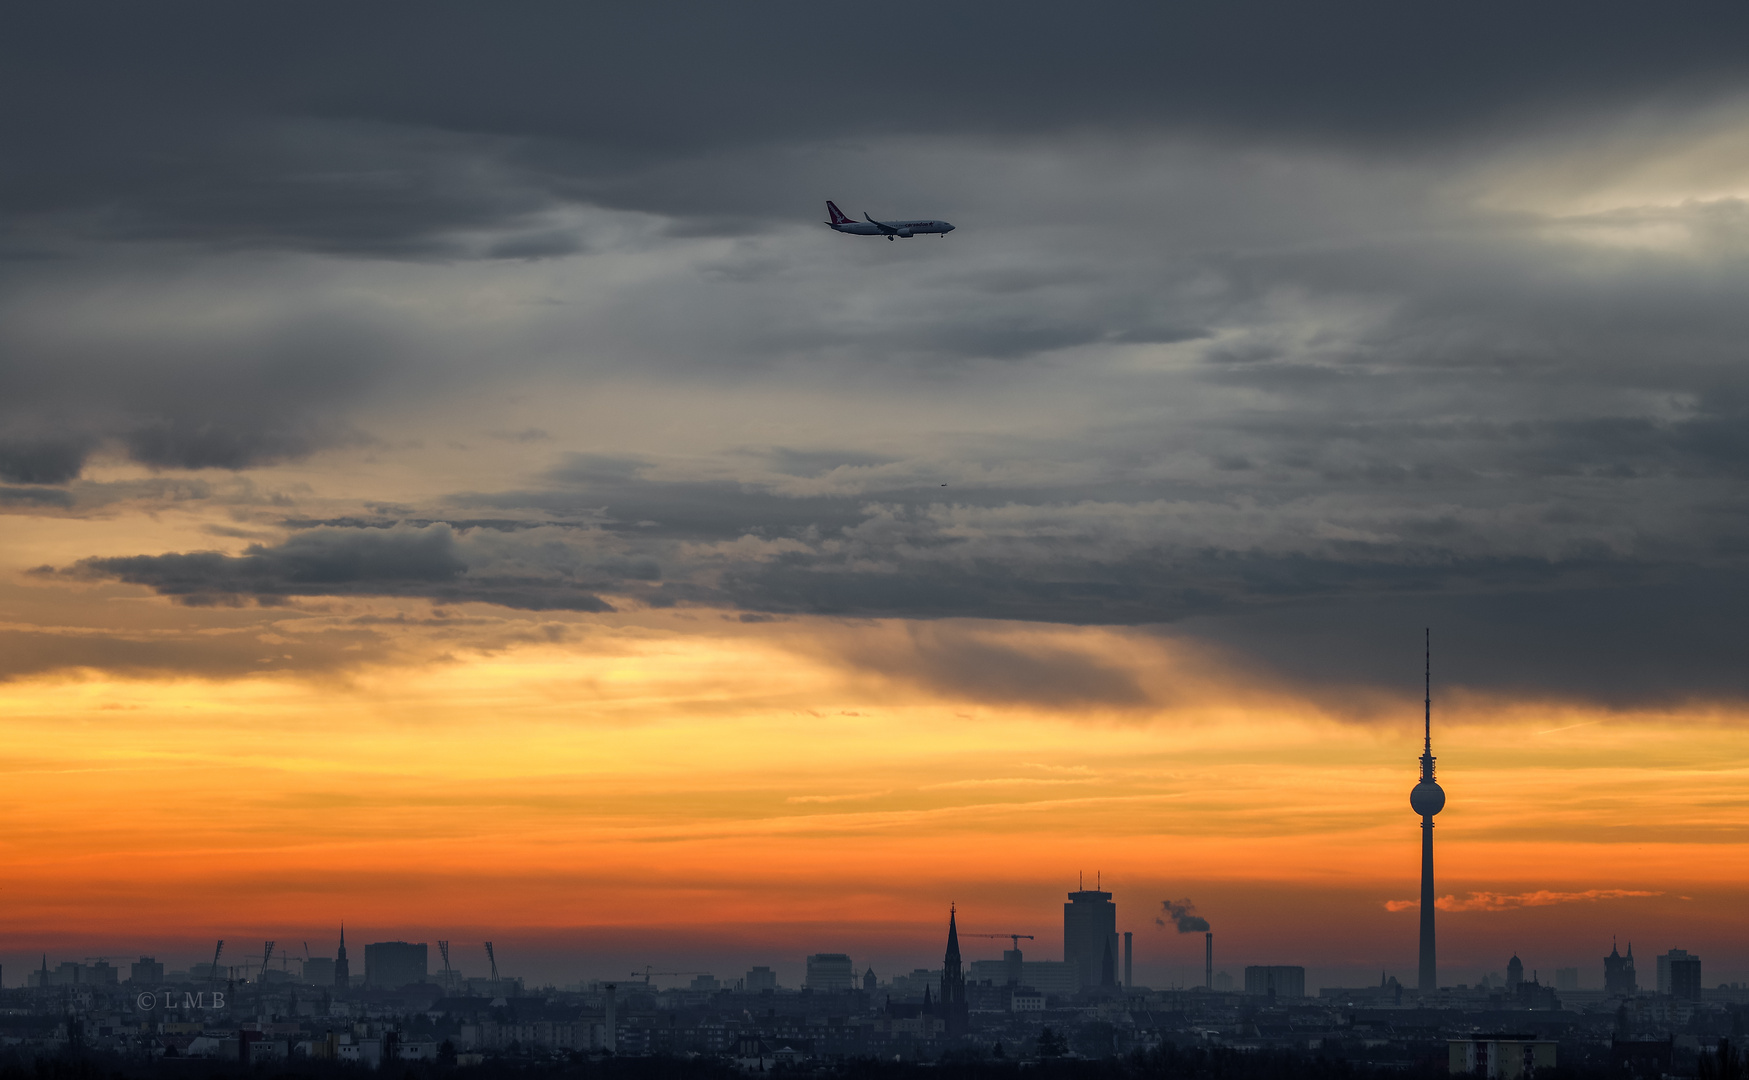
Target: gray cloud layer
x=1295 y=330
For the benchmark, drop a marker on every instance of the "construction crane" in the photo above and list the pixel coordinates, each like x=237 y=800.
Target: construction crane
x=215 y=971
x=1016 y=937
x=448 y=980
x=266 y=957
x=646 y=973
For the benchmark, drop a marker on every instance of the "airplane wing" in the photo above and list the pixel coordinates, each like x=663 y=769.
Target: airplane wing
x=881 y=225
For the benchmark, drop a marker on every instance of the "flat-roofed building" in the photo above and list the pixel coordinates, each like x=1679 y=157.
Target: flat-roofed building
x=1276 y=981
x=1500 y=1057
x=1679 y=974
x=828 y=972
x=146 y=972
x=393 y=964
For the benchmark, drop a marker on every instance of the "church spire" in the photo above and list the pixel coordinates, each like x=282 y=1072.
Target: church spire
x=953 y=936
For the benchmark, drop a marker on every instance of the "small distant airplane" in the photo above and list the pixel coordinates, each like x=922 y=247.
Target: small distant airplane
x=842 y=222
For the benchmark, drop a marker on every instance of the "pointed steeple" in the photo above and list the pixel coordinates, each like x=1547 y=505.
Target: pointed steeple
x=953 y=936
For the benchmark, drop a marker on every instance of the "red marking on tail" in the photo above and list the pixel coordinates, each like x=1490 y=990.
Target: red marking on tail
x=838 y=216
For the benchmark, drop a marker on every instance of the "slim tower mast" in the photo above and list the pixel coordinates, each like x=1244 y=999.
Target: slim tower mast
x=1427 y=799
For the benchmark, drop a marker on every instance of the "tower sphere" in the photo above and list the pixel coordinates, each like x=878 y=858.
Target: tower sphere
x=1427 y=799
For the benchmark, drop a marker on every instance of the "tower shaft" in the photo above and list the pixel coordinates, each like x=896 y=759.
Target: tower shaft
x=1428 y=978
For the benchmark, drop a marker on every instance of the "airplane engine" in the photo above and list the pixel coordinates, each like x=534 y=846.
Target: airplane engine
x=904 y=232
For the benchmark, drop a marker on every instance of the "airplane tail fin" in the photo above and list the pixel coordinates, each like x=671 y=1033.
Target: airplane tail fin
x=839 y=217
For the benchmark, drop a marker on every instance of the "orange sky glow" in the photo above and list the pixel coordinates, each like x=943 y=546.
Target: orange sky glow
x=595 y=789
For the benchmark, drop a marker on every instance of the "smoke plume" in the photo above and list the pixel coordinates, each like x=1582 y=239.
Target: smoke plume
x=1182 y=914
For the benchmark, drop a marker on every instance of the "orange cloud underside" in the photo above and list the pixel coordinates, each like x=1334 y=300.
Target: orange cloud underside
x=636 y=770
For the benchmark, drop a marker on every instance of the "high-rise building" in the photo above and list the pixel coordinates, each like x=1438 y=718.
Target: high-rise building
x=1275 y=981
x=342 y=973
x=1090 y=937
x=760 y=979
x=393 y=964
x=1679 y=974
x=830 y=971
x=869 y=982
x=146 y=972
x=955 y=1012
x=1618 y=972
x=1427 y=799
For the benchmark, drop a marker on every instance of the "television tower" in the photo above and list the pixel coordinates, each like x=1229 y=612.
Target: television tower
x=1427 y=799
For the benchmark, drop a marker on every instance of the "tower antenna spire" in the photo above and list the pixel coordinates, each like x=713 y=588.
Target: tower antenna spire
x=1427 y=691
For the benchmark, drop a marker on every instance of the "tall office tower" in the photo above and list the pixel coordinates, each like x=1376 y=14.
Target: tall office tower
x=1618 y=972
x=955 y=1013
x=1427 y=799
x=1679 y=974
x=342 y=974
x=1090 y=936
x=1129 y=966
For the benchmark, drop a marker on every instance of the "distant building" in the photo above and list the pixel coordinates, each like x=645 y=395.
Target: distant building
x=342 y=973
x=705 y=984
x=914 y=986
x=1618 y=972
x=146 y=972
x=1679 y=974
x=1223 y=982
x=868 y=980
x=1090 y=937
x=1024 y=1000
x=1051 y=976
x=393 y=964
x=760 y=978
x=953 y=1005
x=1532 y=994
x=319 y=971
x=1500 y=1057
x=67 y=973
x=1567 y=979
x=1275 y=981
x=829 y=972
x=1514 y=973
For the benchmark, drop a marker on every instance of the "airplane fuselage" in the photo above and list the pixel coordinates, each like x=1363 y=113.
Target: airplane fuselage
x=899 y=228
x=844 y=223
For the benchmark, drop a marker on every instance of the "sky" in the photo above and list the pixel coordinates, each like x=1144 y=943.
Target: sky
x=451 y=481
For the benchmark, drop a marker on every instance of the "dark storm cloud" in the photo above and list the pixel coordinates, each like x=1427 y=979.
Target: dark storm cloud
x=401 y=561
x=251 y=125
x=1254 y=355
x=52 y=460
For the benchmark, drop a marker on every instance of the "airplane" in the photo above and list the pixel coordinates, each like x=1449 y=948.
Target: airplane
x=842 y=222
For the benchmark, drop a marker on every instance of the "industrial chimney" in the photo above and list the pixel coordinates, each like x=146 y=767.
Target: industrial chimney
x=1208 y=960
